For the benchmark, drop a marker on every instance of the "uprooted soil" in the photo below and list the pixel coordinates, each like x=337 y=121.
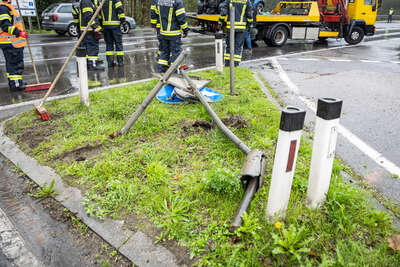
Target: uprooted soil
x=81 y=153
x=195 y=127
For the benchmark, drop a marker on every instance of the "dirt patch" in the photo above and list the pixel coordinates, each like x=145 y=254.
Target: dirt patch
x=235 y=121
x=194 y=127
x=81 y=153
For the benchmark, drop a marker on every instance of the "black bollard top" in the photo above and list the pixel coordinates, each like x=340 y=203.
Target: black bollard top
x=292 y=119
x=219 y=35
x=329 y=108
x=81 y=52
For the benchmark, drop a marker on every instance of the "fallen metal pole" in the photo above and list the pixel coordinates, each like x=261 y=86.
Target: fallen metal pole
x=232 y=48
x=251 y=189
x=242 y=146
x=150 y=97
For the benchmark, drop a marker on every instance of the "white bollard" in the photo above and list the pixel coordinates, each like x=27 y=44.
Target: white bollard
x=323 y=152
x=82 y=75
x=219 y=52
x=290 y=129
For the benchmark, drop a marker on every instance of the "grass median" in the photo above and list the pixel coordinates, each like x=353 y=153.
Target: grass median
x=176 y=177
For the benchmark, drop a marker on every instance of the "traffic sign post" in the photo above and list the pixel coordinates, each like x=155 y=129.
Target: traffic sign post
x=28 y=9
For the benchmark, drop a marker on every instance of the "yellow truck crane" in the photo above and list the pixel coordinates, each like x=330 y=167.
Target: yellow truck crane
x=309 y=20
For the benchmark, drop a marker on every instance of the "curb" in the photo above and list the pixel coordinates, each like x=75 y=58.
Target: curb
x=136 y=246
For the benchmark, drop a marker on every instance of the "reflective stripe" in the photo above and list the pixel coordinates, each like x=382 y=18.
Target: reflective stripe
x=109 y=53
x=87 y=9
x=118 y=4
x=163 y=62
x=170 y=33
x=76 y=20
x=109 y=14
x=11 y=29
x=153 y=7
x=115 y=22
x=5 y=16
x=180 y=11
x=153 y=21
x=120 y=53
x=169 y=19
x=122 y=15
x=242 y=15
x=184 y=26
x=92 y=57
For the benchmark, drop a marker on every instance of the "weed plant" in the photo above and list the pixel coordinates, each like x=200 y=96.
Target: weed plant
x=185 y=180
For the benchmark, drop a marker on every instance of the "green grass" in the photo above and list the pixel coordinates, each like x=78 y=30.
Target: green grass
x=185 y=180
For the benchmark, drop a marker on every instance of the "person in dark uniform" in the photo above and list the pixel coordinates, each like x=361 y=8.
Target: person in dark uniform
x=243 y=21
x=112 y=15
x=12 y=42
x=91 y=43
x=155 y=24
x=172 y=20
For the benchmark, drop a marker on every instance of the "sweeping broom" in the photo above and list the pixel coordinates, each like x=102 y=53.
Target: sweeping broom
x=38 y=86
x=39 y=106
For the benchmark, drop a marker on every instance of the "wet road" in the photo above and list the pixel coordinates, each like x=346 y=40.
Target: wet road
x=50 y=52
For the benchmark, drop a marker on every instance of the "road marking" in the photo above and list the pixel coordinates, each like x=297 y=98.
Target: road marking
x=339 y=60
x=395 y=62
x=370 y=61
x=352 y=138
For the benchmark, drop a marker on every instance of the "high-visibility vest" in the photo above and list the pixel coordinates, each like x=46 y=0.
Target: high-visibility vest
x=9 y=38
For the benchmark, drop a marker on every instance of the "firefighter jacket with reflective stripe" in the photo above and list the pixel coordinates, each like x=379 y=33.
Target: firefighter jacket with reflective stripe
x=76 y=12
x=86 y=10
x=243 y=14
x=154 y=15
x=111 y=13
x=10 y=26
x=172 y=18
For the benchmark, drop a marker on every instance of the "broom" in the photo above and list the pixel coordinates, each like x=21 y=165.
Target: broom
x=39 y=106
x=38 y=86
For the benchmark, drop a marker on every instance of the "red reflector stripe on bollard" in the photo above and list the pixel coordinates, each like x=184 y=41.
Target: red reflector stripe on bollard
x=292 y=152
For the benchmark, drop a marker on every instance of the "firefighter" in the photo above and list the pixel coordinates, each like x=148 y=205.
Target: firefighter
x=12 y=42
x=91 y=41
x=155 y=24
x=243 y=22
x=112 y=15
x=172 y=19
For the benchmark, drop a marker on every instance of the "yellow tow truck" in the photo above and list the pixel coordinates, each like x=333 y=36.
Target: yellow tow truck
x=308 y=20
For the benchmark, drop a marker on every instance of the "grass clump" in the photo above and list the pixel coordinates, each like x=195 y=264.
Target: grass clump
x=183 y=178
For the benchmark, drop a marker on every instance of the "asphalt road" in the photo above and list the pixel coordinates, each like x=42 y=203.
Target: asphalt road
x=366 y=77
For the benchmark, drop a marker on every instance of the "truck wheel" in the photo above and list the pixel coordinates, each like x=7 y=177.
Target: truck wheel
x=278 y=37
x=260 y=8
x=356 y=36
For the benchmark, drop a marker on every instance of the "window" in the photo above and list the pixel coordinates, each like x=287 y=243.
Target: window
x=65 y=9
x=368 y=2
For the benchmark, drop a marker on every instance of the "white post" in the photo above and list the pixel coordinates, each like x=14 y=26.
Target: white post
x=292 y=121
x=219 y=52
x=82 y=75
x=323 y=153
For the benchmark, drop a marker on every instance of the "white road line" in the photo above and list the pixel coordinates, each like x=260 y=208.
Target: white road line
x=355 y=140
x=339 y=60
x=395 y=62
x=370 y=61
x=283 y=58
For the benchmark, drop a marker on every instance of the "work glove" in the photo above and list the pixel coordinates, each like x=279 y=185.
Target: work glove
x=185 y=33
x=23 y=34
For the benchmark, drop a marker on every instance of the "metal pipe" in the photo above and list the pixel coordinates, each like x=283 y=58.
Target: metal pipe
x=251 y=189
x=232 y=48
x=150 y=97
x=228 y=133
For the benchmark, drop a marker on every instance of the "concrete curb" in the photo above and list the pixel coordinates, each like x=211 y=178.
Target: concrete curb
x=136 y=246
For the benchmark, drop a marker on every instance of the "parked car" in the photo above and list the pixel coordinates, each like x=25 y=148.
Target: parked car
x=58 y=17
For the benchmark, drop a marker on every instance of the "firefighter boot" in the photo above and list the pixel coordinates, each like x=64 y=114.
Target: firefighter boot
x=110 y=61
x=94 y=65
